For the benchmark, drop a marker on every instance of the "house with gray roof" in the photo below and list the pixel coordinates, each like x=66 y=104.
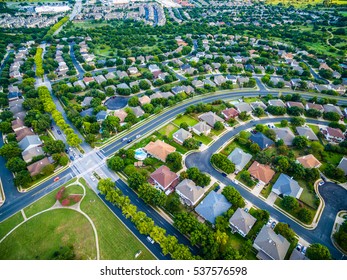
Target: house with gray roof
x=276 y=102
x=210 y=118
x=88 y=112
x=100 y=79
x=213 y=205
x=239 y=158
x=285 y=134
x=241 y=222
x=262 y=141
x=121 y=74
x=307 y=132
x=79 y=83
x=101 y=116
x=270 y=246
x=189 y=192
x=219 y=80
x=166 y=94
x=198 y=84
x=86 y=101
x=138 y=111
x=29 y=142
x=258 y=104
x=181 y=135
x=29 y=154
x=110 y=75
x=209 y=82
x=201 y=128
x=343 y=165
x=287 y=186
x=332 y=108
x=243 y=107
x=123 y=85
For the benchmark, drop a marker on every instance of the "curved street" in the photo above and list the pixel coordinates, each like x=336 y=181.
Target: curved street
x=321 y=234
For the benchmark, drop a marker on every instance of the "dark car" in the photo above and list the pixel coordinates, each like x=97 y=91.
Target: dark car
x=129 y=140
x=67 y=151
x=217 y=188
x=225 y=175
x=59 y=132
x=72 y=158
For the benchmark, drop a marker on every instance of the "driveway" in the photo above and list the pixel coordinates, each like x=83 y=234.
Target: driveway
x=271 y=199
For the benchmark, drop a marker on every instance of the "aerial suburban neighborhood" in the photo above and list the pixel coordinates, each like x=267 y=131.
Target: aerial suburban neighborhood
x=173 y=130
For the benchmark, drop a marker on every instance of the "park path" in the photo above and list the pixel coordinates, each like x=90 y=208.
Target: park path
x=76 y=207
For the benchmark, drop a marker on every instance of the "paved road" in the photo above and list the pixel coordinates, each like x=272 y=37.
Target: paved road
x=75 y=62
x=323 y=230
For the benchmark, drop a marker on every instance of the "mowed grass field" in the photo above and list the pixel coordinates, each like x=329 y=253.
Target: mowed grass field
x=44 y=234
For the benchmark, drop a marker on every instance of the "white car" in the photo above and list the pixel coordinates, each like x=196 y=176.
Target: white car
x=93 y=178
x=138 y=136
x=150 y=240
x=321 y=183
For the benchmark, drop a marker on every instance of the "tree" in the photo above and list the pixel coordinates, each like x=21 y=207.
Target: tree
x=135 y=180
x=316 y=147
x=313 y=113
x=54 y=146
x=289 y=203
x=297 y=121
x=282 y=163
x=22 y=179
x=284 y=230
x=340 y=236
x=5 y=127
x=223 y=163
x=144 y=85
x=318 y=251
x=191 y=144
x=331 y=116
x=284 y=123
x=105 y=185
x=218 y=126
x=174 y=161
x=16 y=164
x=300 y=142
x=185 y=126
x=234 y=197
x=305 y=215
x=254 y=147
x=64 y=160
x=168 y=245
x=115 y=163
x=133 y=101
x=151 y=195
x=258 y=112
x=243 y=116
x=10 y=150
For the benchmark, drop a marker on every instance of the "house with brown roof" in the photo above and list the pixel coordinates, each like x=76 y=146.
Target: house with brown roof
x=88 y=80
x=314 y=106
x=262 y=172
x=230 y=113
x=210 y=118
x=309 y=161
x=144 y=100
x=159 y=150
x=295 y=104
x=164 y=179
x=201 y=128
x=121 y=114
x=333 y=134
x=22 y=133
x=17 y=124
x=37 y=167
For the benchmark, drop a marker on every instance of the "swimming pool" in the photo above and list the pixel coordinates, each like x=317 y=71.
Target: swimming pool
x=140 y=154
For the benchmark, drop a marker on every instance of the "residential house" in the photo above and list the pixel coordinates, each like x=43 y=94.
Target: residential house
x=24 y=132
x=241 y=222
x=201 y=128
x=121 y=74
x=100 y=79
x=36 y=167
x=285 y=134
x=213 y=205
x=101 y=116
x=239 y=158
x=121 y=114
x=230 y=113
x=178 y=89
x=343 y=165
x=309 y=161
x=133 y=71
x=79 y=83
x=261 y=172
x=181 y=135
x=258 y=104
x=29 y=142
x=29 y=154
x=307 y=132
x=110 y=76
x=262 y=141
x=287 y=186
x=295 y=104
x=138 y=111
x=333 y=134
x=332 y=108
x=159 y=150
x=276 y=102
x=123 y=85
x=189 y=192
x=164 y=179
x=144 y=100
x=231 y=78
x=314 y=106
x=88 y=80
x=153 y=68
x=86 y=101
x=243 y=107
x=242 y=81
x=210 y=118
x=198 y=84
x=298 y=256
x=209 y=82
x=270 y=246
x=17 y=124
x=88 y=112
x=219 y=80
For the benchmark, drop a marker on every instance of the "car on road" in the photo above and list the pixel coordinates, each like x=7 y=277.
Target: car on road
x=56 y=179
x=273 y=224
x=321 y=183
x=138 y=136
x=81 y=156
x=124 y=139
x=149 y=239
x=66 y=151
x=130 y=140
x=93 y=178
x=303 y=250
x=72 y=158
x=59 y=132
x=74 y=154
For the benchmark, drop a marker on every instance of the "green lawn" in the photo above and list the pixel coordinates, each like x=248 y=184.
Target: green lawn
x=10 y=223
x=187 y=119
x=314 y=128
x=203 y=138
x=115 y=240
x=307 y=195
x=265 y=192
x=236 y=240
x=217 y=132
x=44 y=234
x=238 y=177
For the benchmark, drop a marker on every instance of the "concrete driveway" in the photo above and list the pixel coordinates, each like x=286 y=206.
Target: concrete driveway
x=271 y=199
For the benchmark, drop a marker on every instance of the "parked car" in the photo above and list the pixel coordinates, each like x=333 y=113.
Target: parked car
x=138 y=136
x=321 y=183
x=303 y=250
x=217 y=188
x=246 y=210
x=273 y=225
x=56 y=179
x=93 y=178
x=72 y=158
x=150 y=240
x=299 y=247
x=59 y=132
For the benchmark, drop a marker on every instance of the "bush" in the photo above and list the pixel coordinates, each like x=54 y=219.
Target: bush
x=223 y=163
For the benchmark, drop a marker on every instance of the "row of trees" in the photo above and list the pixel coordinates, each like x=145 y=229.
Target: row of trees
x=49 y=106
x=145 y=225
x=38 y=61
x=55 y=27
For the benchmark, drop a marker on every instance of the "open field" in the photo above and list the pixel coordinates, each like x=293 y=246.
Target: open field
x=303 y=3
x=187 y=119
x=10 y=223
x=115 y=240
x=58 y=228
